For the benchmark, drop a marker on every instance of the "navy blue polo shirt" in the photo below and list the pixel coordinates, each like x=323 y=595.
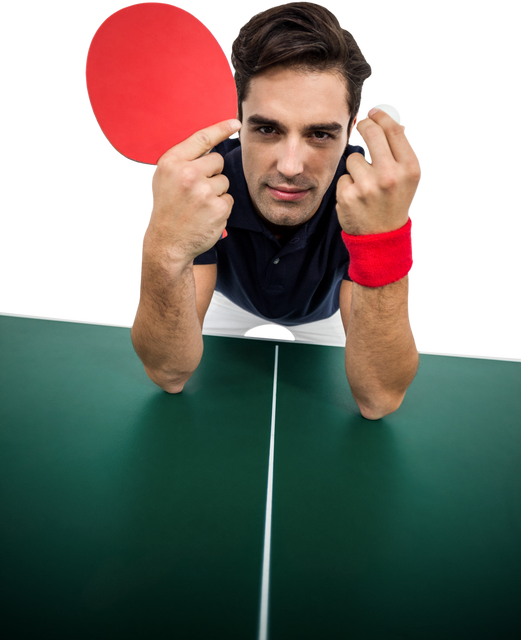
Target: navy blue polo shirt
x=291 y=284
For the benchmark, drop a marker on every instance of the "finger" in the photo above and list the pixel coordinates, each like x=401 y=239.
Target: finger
x=376 y=139
x=210 y=165
x=395 y=137
x=359 y=169
x=204 y=140
x=219 y=184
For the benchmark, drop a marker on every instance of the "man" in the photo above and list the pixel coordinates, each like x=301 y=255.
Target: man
x=292 y=177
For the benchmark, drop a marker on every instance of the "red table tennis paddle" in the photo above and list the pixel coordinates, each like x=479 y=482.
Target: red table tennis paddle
x=156 y=75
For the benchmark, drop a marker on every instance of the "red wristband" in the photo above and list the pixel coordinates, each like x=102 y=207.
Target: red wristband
x=378 y=259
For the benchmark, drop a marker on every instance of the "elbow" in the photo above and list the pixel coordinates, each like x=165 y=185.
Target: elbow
x=381 y=407
x=374 y=414
x=170 y=384
x=173 y=389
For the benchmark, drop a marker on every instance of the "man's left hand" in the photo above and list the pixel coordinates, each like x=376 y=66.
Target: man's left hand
x=376 y=196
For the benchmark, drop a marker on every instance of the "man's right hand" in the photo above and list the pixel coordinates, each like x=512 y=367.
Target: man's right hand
x=191 y=203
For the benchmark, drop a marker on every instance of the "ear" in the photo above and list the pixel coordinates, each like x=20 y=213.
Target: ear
x=355 y=122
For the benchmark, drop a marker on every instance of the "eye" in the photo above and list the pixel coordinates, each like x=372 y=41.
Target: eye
x=262 y=132
x=326 y=137
x=322 y=135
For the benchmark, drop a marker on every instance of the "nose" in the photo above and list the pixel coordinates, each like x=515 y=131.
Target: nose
x=290 y=161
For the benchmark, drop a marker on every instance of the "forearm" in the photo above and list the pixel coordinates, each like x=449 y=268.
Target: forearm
x=167 y=334
x=380 y=356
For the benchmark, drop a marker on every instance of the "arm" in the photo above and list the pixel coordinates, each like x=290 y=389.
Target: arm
x=191 y=207
x=167 y=330
x=380 y=357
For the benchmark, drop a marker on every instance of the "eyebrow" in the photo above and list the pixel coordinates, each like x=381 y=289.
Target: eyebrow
x=328 y=127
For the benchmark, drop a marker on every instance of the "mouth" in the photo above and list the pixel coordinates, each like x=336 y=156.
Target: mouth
x=287 y=193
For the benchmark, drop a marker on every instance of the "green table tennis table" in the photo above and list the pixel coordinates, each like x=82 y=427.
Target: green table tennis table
x=258 y=503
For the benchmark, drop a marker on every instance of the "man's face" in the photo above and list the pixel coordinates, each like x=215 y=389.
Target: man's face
x=293 y=135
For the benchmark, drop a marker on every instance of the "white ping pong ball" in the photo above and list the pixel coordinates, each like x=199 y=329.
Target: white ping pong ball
x=390 y=111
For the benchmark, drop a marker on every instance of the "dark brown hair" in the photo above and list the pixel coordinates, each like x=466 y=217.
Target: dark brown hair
x=299 y=35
